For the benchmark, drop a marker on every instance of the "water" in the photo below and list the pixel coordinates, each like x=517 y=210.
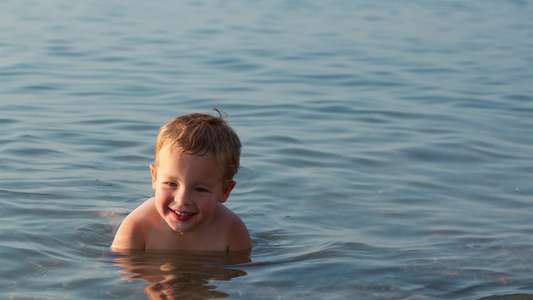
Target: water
x=387 y=145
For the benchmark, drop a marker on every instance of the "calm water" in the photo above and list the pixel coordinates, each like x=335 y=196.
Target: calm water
x=388 y=145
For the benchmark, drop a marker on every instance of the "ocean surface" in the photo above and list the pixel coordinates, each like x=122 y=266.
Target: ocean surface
x=388 y=145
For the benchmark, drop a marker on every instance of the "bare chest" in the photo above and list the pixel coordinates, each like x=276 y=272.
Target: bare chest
x=212 y=240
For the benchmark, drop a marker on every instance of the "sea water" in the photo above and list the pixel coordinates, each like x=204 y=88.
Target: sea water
x=388 y=145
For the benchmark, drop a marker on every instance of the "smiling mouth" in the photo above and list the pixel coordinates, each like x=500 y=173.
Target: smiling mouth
x=181 y=214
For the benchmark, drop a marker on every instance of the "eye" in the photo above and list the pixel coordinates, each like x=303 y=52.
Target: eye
x=201 y=190
x=171 y=184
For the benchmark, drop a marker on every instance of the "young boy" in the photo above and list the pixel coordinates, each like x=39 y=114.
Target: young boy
x=196 y=157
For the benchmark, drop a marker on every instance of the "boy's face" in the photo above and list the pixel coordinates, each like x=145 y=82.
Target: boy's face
x=188 y=189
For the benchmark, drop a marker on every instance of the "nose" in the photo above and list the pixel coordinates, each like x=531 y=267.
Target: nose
x=182 y=197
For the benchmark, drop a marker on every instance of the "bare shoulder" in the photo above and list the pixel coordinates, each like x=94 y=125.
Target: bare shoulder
x=131 y=233
x=237 y=233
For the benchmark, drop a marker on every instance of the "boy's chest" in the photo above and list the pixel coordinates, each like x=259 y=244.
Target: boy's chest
x=212 y=240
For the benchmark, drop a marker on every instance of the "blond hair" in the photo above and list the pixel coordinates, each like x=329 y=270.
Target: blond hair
x=198 y=134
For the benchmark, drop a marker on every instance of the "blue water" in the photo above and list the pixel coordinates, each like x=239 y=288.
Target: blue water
x=388 y=145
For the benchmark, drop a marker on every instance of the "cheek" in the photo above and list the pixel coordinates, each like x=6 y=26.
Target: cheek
x=162 y=195
x=208 y=206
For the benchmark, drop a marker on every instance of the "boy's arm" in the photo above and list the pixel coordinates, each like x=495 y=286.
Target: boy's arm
x=239 y=238
x=129 y=235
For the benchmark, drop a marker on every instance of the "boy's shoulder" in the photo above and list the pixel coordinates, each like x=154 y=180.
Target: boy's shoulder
x=227 y=219
x=145 y=210
x=143 y=215
x=236 y=232
x=132 y=230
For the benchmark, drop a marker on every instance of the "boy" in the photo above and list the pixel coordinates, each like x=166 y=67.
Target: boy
x=196 y=157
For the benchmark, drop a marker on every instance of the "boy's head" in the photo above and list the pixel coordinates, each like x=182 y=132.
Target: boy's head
x=199 y=134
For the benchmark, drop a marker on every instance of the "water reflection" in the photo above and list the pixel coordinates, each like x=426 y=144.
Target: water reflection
x=182 y=275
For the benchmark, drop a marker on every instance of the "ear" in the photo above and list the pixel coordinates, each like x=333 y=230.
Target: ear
x=226 y=191
x=154 y=175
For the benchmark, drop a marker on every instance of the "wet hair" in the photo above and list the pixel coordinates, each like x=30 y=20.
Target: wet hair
x=199 y=134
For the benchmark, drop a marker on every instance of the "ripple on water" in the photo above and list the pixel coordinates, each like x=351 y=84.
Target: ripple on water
x=385 y=160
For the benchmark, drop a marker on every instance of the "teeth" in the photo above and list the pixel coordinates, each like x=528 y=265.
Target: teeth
x=182 y=213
